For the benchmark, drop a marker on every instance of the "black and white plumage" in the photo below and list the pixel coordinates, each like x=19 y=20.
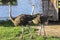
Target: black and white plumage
x=41 y=20
x=22 y=19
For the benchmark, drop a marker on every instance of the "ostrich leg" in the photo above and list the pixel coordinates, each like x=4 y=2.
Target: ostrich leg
x=22 y=32
x=29 y=29
x=42 y=28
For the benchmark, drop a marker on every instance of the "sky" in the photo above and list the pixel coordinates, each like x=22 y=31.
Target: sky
x=22 y=7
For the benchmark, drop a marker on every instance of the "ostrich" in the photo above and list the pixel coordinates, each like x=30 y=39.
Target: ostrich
x=41 y=19
x=21 y=20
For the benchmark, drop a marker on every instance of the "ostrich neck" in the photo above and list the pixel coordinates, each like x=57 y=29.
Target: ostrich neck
x=10 y=16
x=32 y=10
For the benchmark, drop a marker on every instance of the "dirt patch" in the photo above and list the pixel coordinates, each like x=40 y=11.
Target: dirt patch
x=53 y=30
x=50 y=30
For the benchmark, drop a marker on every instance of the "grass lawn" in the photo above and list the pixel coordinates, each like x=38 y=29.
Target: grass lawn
x=9 y=32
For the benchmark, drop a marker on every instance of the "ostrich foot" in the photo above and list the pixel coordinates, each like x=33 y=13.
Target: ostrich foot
x=21 y=37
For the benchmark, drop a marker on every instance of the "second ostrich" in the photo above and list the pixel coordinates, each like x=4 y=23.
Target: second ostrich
x=41 y=20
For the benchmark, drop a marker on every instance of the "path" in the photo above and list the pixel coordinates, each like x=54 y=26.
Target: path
x=51 y=30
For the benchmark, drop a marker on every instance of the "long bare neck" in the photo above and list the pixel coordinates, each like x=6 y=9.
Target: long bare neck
x=32 y=9
x=10 y=16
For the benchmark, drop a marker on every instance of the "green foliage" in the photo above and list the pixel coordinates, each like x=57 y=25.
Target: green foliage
x=9 y=32
x=6 y=23
x=13 y=33
x=5 y=2
x=59 y=3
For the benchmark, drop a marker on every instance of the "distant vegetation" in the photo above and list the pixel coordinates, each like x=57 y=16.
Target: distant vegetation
x=5 y=2
x=6 y=23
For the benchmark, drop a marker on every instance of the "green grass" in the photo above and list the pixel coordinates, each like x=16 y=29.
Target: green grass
x=9 y=32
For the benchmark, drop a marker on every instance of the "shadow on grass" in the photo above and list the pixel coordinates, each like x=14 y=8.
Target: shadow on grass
x=6 y=23
x=48 y=38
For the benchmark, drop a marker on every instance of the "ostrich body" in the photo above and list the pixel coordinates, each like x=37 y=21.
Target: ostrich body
x=41 y=19
x=22 y=19
x=37 y=19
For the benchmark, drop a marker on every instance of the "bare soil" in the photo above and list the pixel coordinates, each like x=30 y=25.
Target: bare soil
x=50 y=30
